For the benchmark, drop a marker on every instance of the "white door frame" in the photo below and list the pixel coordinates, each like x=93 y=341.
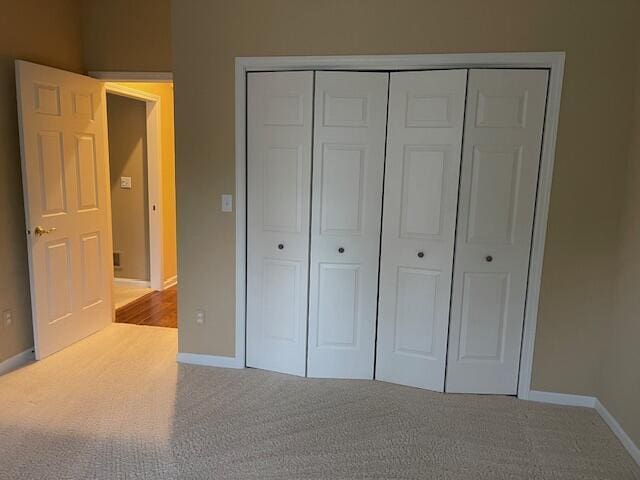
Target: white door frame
x=154 y=178
x=554 y=61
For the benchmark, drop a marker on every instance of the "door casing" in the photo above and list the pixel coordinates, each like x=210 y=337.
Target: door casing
x=553 y=61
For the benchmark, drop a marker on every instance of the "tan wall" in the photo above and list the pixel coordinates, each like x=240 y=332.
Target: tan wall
x=620 y=385
x=54 y=38
x=165 y=92
x=127 y=35
x=597 y=36
x=127 y=120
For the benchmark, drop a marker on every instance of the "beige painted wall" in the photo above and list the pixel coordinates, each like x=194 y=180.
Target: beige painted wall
x=127 y=121
x=579 y=268
x=54 y=39
x=619 y=388
x=127 y=35
x=165 y=92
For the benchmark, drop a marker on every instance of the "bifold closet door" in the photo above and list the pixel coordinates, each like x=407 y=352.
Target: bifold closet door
x=279 y=130
x=426 y=111
x=500 y=161
x=348 y=165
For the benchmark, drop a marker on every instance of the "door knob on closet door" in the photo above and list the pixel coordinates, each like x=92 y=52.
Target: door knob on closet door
x=420 y=254
x=489 y=258
x=280 y=246
x=341 y=250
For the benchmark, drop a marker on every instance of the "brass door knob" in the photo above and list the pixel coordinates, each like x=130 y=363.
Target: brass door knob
x=39 y=231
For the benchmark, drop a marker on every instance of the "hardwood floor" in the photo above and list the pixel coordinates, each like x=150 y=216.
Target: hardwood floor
x=157 y=309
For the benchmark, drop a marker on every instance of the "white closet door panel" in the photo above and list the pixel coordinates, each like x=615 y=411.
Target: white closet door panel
x=348 y=163
x=502 y=142
x=426 y=111
x=279 y=122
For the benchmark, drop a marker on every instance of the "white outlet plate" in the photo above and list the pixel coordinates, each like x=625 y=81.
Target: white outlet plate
x=7 y=318
x=125 y=182
x=227 y=202
x=200 y=317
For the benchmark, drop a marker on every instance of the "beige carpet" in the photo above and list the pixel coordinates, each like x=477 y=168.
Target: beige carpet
x=117 y=406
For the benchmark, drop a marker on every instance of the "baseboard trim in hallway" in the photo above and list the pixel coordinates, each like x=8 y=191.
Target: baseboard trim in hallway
x=16 y=361
x=209 y=360
x=589 y=402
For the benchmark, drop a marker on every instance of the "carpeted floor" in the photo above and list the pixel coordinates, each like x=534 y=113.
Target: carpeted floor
x=117 y=406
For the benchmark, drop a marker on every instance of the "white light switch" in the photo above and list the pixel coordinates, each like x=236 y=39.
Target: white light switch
x=227 y=203
x=125 y=182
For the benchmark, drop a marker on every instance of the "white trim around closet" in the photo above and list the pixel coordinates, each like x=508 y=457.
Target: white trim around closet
x=554 y=61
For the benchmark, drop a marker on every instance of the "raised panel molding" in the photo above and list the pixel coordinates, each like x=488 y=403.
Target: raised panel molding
x=280 y=285
x=87 y=172
x=342 y=184
x=484 y=312
x=91 y=254
x=47 y=99
x=340 y=111
x=428 y=111
x=52 y=173
x=501 y=111
x=282 y=189
x=494 y=188
x=338 y=295
x=82 y=105
x=422 y=192
x=415 y=314
x=284 y=110
x=58 y=280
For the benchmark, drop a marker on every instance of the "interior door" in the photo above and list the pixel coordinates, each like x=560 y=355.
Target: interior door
x=65 y=174
x=501 y=156
x=279 y=121
x=348 y=164
x=426 y=111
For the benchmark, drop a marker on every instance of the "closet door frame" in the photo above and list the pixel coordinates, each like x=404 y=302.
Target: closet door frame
x=552 y=61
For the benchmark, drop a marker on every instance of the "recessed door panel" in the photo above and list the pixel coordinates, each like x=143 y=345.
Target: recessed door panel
x=87 y=172
x=349 y=136
x=53 y=189
x=92 y=275
x=283 y=189
x=281 y=280
x=59 y=279
x=426 y=112
x=343 y=175
x=279 y=129
x=422 y=190
x=338 y=306
x=499 y=175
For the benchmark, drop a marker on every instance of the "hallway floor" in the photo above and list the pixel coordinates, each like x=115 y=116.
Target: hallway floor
x=154 y=309
x=117 y=405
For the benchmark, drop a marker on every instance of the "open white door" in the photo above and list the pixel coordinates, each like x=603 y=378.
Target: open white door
x=63 y=138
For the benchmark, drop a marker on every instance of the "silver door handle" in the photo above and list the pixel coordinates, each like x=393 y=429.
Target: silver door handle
x=39 y=231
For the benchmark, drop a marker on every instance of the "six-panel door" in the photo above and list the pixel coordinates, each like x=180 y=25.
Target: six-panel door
x=500 y=161
x=426 y=111
x=278 y=186
x=65 y=176
x=348 y=163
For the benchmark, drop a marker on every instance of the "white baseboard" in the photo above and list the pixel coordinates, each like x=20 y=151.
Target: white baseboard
x=631 y=447
x=170 y=282
x=16 y=361
x=132 y=282
x=562 y=399
x=209 y=360
x=590 y=402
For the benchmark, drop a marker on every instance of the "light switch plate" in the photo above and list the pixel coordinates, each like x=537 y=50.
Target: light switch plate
x=227 y=202
x=125 y=182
